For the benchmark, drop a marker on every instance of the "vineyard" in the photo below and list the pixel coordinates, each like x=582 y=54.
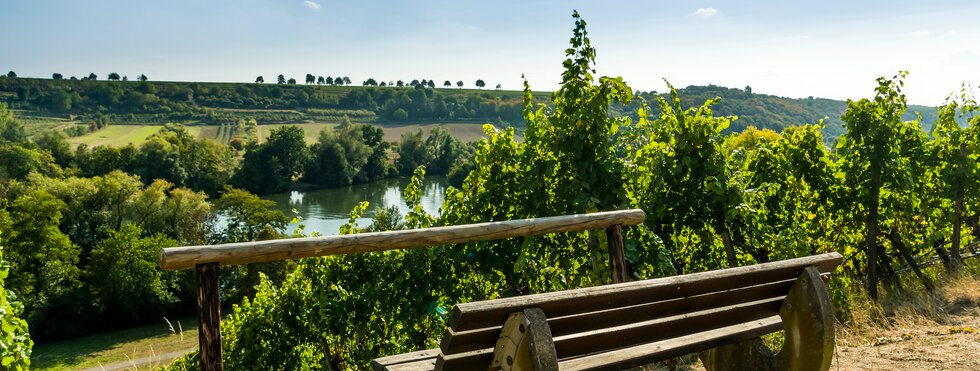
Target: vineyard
x=891 y=194
x=887 y=198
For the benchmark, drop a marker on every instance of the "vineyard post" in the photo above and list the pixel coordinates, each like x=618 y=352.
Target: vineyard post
x=617 y=257
x=209 y=316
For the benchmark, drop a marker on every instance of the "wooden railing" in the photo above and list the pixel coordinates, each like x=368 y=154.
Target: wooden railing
x=206 y=259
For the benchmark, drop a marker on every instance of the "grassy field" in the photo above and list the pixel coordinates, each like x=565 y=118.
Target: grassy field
x=147 y=344
x=117 y=135
x=121 y=135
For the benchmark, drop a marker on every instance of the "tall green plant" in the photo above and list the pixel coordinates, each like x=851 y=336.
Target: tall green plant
x=15 y=340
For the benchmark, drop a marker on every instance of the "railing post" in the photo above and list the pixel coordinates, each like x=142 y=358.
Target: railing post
x=209 y=316
x=617 y=257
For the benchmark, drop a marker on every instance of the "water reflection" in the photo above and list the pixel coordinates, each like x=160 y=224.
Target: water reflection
x=325 y=210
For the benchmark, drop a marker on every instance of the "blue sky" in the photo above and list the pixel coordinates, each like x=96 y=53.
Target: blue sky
x=831 y=49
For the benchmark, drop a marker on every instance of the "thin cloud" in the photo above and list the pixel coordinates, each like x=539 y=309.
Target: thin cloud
x=311 y=5
x=706 y=12
x=921 y=33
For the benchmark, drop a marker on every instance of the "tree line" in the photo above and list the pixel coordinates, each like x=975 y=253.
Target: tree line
x=82 y=227
x=887 y=193
x=181 y=102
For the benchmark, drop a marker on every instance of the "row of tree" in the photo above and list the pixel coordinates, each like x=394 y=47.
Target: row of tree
x=113 y=76
x=182 y=102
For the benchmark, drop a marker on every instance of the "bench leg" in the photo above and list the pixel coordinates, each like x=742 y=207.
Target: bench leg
x=808 y=320
x=525 y=343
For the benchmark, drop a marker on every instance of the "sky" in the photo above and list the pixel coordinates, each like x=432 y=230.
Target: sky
x=830 y=49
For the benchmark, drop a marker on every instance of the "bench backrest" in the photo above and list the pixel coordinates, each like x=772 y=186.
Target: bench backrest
x=605 y=318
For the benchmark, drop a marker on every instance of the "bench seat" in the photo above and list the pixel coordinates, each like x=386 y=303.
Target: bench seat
x=635 y=323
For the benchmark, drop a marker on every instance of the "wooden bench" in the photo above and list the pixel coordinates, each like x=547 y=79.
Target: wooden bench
x=720 y=313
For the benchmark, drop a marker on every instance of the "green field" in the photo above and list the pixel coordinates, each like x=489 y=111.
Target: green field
x=144 y=347
x=117 y=135
x=121 y=135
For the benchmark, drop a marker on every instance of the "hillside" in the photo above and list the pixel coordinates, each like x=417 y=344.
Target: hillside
x=776 y=113
x=47 y=103
x=131 y=102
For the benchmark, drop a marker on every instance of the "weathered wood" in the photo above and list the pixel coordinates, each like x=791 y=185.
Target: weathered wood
x=209 y=317
x=264 y=251
x=465 y=341
x=542 y=346
x=904 y=252
x=512 y=351
x=414 y=360
x=808 y=320
x=663 y=328
x=644 y=354
x=476 y=315
x=617 y=256
x=808 y=317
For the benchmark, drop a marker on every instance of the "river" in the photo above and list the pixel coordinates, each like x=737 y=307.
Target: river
x=325 y=210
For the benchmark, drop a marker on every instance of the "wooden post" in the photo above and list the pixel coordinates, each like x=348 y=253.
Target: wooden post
x=617 y=256
x=209 y=316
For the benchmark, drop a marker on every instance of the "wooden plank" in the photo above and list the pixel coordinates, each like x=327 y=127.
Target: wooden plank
x=652 y=352
x=660 y=329
x=384 y=363
x=664 y=328
x=294 y=248
x=209 y=317
x=476 y=315
x=465 y=341
x=543 y=354
x=475 y=360
x=420 y=365
x=617 y=256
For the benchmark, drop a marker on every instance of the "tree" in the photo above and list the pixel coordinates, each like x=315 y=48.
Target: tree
x=432 y=84
x=370 y=82
x=498 y=86
x=259 y=80
x=447 y=84
x=346 y=80
x=11 y=74
x=399 y=115
x=310 y=79
x=142 y=78
x=328 y=80
x=319 y=80
x=249 y=217
x=281 y=79
x=400 y=83
x=480 y=84
x=56 y=76
x=113 y=76
x=271 y=166
x=291 y=81
x=16 y=344
x=415 y=83
x=124 y=279
x=93 y=76
x=459 y=84
x=125 y=78
x=872 y=160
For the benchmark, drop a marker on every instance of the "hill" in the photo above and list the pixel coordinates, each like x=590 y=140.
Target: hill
x=48 y=103
x=775 y=113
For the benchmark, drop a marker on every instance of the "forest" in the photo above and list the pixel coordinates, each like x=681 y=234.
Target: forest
x=82 y=228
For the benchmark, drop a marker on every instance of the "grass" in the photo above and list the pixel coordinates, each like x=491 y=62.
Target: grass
x=121 y=135
x=117 y=135
x=119 y=346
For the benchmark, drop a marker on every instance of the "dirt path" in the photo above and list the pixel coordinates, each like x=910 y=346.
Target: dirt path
x=924 y=345
x=144 y=362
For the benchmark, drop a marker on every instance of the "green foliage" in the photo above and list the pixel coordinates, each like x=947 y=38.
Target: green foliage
x=348 y=154
x=125 y=281
x=15 y=341
x=271 y=166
